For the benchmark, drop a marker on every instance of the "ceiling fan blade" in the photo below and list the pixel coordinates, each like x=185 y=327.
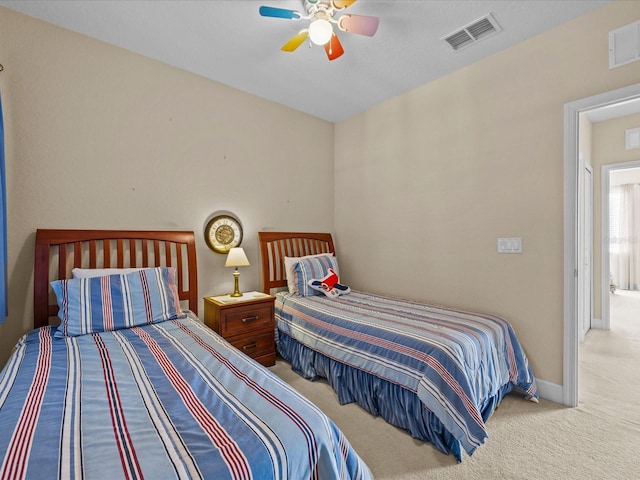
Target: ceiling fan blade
x=279 y=13
x=360 y=24
x=295 y=41
x=333 y=47
x=340 y=4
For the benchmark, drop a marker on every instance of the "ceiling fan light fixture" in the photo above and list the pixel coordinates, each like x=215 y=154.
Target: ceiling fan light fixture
x=320 y=31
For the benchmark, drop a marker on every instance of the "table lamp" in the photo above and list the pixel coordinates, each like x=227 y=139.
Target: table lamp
x=236 y=258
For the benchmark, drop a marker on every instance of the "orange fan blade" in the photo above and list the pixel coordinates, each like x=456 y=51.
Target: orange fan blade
x=333 y=47
x=340 y=4
x=295 y=41
x=360 y=24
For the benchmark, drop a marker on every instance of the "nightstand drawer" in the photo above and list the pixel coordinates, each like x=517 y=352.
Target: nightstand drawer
x=254 y=345
x=246 y=319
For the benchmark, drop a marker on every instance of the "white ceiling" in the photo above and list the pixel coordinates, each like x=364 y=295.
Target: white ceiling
x=228 y=41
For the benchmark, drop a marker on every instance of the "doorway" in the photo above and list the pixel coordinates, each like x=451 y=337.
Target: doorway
x=572 y=258
x=614 y=174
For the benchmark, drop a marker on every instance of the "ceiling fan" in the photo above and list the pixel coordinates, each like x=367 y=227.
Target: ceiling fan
x=320 y=30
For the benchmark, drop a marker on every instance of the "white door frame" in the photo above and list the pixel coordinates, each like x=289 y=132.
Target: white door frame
x=570 y=343
x=604 y=252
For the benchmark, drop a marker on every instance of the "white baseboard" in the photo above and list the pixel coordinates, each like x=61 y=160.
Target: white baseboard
x=598 y=323
x=550 y=391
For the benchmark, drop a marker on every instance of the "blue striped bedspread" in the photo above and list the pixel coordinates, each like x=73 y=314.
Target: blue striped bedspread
x=168 y=400
x=458 y=363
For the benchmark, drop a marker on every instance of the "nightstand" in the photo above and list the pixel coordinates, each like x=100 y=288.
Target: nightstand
x=246 y=322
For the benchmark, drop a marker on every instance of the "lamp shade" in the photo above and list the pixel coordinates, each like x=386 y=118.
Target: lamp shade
x=236 y=258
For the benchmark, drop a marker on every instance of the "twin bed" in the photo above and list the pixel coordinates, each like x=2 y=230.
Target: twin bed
x=131 y=384
x=437 y=372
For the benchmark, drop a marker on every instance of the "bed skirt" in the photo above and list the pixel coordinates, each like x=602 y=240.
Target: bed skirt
x=397 y=405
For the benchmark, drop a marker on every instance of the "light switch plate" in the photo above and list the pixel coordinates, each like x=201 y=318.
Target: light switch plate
x=510 y=245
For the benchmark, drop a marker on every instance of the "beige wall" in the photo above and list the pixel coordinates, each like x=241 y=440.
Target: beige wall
x=427 y=181
x=97 y=137
x=608 y=147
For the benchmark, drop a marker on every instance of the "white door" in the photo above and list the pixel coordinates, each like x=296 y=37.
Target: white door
x=585 y=248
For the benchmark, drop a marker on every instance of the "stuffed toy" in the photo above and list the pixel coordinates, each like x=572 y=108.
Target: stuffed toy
x=329 y=285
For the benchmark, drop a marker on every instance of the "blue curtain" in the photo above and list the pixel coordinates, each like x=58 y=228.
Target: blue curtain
x=3 y=227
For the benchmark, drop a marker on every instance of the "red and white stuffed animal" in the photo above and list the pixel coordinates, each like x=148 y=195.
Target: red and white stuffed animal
x=329 y=285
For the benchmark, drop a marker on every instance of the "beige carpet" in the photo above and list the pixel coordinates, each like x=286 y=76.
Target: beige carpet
x=600 y=439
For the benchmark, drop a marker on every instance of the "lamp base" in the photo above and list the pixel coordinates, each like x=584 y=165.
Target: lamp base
x=236 y=287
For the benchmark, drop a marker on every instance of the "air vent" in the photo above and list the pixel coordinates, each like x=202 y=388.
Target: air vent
x=470 y=34
x=624 y=45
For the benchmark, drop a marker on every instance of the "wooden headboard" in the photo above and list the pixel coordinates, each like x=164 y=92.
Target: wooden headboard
x=274 y=246
x=59 y=251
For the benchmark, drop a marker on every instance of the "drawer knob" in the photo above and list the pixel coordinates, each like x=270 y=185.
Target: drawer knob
x=250 y=319
x=250 y=346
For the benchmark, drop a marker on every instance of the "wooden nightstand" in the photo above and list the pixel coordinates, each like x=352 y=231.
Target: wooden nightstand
x=246 y=322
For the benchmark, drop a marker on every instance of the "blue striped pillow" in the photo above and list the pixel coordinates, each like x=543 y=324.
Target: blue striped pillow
x=112 y=302
x=311 y=268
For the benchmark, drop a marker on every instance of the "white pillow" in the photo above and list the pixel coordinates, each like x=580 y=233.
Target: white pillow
x=101 y=272
x=290 y=263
